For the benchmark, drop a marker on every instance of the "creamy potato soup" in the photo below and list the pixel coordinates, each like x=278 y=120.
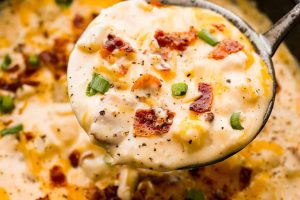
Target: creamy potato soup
x=46 y=155
x=166 y=87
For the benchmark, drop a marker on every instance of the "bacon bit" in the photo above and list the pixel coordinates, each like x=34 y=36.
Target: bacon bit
x=48 y=57
x=146 y=123
x=44 y=198
x=28 y=136
x=209 y=117
x=225 y=48
x=245 y=177
x=203 y=104
x=94 y=193
x=31 y=83
x=57 y=176
x=78 y=21
x=115 y=43
x=178 y=40
x=123 y=69
x=146 y=81
x=57 y=57
x=79 y=24
x=220 y=27
x=155 y=3
x=94 y=15
x=74 y=158
x=111 y=192
x=10 y=86
x=13 y=69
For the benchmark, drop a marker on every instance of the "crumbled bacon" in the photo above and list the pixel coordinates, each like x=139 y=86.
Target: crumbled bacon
x=10 y=85
x=13 y=69
x=147 y=123
x=155 y=3
x=245 y=177
x=209 y=117
x=94 y=193
x=111 y=192
x=44 y=198
x=78 y=21
x=146 y=81
x=74 y=158
x=115 y=43
x=203 y=104
x=220 y=27
x=178 y=40
x=225 y=48
x=57 y=176
x=56 y=58
x=79 y=24
x=123 y=69
x=28 y=136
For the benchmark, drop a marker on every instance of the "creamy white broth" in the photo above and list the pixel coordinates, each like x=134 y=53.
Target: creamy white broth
x=273 y=157
x=240 y=82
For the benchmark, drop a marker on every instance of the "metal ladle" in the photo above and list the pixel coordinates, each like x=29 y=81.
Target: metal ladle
x=265 y=44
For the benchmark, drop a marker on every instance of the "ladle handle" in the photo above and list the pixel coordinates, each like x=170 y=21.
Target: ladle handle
x=279 y=30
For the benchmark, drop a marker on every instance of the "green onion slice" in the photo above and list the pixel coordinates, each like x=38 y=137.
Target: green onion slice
x=90 y=91
x=235 y=121
x=33 y=60
x=179 y=89
x=64 y=3
x=98 y=84
x=12 y=130
x=6 y=104
x=6 y=62
x=194 y=194
x=205 y=35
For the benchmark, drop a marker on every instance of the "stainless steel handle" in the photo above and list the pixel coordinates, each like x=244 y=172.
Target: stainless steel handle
x=277 y=33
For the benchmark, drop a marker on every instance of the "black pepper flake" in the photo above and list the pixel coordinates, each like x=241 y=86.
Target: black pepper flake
x=144 y=144
x=190 y=141
x=102 y=112
x=188 y=75
x=228 y=81
x=222 y=128
x=118 y=154
x=169 y=140
x=150 y=159
x=154 y=149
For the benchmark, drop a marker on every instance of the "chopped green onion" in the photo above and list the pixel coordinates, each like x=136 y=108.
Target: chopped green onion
x=90 y=91
x=6 y=62
x=179 y=89
x=12 y=130
x=99 y=83
x=235 y=121
x=6 y=104
x=207 y=37
x=194 y=194
x=64 y=3
x=34 y=61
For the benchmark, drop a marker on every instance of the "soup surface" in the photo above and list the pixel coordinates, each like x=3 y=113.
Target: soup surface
x=51 y=157
x=167 y=87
